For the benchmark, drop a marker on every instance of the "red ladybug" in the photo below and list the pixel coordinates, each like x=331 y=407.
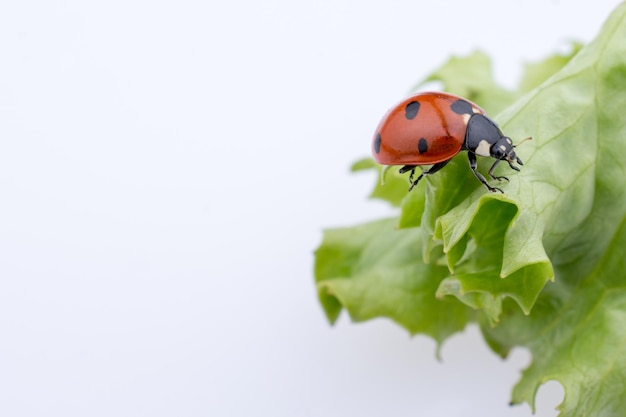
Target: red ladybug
x=431 y=128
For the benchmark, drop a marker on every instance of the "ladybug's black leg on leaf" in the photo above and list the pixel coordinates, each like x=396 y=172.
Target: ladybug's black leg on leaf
x=408 y=168
x=432 y=170
x=493 y=167
x=411 y=176
x=472 y=163
x=513 y=166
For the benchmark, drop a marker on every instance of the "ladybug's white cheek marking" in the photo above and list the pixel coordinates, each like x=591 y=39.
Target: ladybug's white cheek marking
x=466 y=118
x=475 y=110
x=483 y=148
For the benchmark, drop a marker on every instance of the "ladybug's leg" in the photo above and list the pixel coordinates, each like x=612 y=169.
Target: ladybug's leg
x=408 y=168
x=432 y=170
x=493 y=167
x=472 y=163
x=513 y=166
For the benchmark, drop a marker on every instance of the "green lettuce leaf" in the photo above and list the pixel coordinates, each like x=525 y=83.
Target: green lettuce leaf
x=370 y=270
x=542 y=266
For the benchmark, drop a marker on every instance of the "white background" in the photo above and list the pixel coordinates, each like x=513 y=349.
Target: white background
x=166 y=169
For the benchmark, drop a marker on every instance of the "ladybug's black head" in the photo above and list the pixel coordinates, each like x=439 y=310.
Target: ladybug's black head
x=504 y=150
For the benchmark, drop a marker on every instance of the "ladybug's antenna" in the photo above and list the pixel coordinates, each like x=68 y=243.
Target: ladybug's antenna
x=522 y=141
x=519 y=161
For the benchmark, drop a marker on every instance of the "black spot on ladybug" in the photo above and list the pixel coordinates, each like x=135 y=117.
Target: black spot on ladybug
x=411 y=109
x=462 y=107
x=422 y=145
x=377 y=143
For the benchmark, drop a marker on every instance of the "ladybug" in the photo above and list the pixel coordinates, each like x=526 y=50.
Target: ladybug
x=431 y=128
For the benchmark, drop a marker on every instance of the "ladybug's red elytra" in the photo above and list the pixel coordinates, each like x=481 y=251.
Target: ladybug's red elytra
x=431 y=128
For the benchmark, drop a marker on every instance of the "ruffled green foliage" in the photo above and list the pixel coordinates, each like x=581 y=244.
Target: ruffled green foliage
x=542 y=266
